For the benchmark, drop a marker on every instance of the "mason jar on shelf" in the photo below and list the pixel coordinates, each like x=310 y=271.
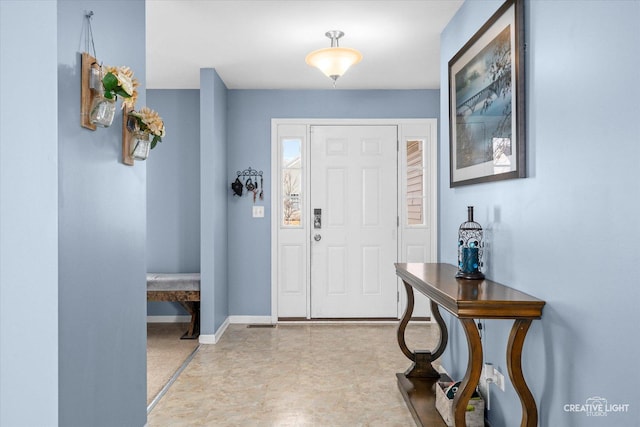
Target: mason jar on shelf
x=140 y=145
x=102 y=110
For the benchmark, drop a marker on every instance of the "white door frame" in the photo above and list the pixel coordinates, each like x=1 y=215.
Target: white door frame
x=406 y=129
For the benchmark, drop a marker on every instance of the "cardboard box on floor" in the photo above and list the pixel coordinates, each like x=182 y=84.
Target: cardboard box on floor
x=475 y=409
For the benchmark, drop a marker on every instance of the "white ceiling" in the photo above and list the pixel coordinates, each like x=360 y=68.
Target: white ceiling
x=262 y=44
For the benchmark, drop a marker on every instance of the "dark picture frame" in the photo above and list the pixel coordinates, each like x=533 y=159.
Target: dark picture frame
x=487 y=135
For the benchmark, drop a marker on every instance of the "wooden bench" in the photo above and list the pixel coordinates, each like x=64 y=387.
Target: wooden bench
x=183 y=288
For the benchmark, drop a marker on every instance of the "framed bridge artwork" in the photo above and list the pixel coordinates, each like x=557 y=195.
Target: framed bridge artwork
x=487 y=101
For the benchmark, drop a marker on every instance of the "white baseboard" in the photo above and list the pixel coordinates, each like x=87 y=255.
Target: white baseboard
x=213 y=339
x=339 y=322
x=353 y=321
x=442 y=370
x=169 y=319
x=258 y=320
x=250 y=320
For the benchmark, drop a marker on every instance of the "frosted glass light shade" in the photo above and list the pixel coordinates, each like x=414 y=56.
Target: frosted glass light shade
x=333 y=61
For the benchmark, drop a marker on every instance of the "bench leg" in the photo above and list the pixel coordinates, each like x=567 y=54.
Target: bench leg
x=193 y=308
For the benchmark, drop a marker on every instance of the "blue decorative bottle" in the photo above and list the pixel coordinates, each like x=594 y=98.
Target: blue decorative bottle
x=470 y=246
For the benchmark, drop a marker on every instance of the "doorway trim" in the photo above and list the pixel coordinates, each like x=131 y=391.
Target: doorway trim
x=425 y=128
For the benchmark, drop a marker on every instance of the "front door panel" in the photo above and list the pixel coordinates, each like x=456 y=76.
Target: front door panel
x=354 y=233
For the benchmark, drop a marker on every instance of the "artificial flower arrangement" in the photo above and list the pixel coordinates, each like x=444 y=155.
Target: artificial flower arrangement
x=115 y=81
x=149 y=121
x=119 y=81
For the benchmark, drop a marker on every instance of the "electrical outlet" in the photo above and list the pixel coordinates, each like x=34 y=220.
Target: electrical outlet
x=488 y=376
x=487 y=371
x=499 y=379
x=483 y=385
x=258 y=211
x=491 y=375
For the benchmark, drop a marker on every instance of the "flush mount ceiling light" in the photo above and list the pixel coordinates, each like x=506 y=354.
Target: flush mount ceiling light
x=334 y=61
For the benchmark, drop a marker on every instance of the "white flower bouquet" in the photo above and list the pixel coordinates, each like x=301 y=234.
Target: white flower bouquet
x=119 y=81
x=149 y=121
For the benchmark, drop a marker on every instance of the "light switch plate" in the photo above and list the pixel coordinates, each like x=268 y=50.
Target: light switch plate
x=258 y=211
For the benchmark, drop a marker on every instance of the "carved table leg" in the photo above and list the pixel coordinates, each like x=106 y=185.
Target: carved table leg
x=421 y=366
x=514 y=365
x=472 y=376
x=444 y=334
x=402 y=326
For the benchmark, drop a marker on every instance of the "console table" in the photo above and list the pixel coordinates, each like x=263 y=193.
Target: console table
x=467 y=300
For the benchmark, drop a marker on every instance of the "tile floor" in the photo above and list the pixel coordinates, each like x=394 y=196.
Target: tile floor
x=295 y=375
x=165 y=354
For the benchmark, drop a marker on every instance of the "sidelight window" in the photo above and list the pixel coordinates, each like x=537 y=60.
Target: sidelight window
x=291 y=180
x=415 y=183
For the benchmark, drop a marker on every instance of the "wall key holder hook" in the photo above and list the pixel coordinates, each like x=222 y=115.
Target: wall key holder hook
x=252 y=180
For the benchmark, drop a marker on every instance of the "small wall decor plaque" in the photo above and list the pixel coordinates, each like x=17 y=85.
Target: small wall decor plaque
x=90 y=72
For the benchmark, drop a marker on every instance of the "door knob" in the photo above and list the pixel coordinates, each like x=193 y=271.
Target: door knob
x=317 y=237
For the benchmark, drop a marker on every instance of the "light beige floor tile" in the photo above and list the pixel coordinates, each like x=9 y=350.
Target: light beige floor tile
x=166 y=352
x=295 y=375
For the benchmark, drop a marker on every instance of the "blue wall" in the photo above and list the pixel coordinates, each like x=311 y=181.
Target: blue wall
x=173 y=190
x=248 y=114
x=173 y=185
x=213 y=201
x=28 y=214
x=565 y=234
x=102 y=232
x=69 y=208
x=249 y=145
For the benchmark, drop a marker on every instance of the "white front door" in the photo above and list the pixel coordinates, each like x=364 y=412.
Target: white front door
x=353 y=189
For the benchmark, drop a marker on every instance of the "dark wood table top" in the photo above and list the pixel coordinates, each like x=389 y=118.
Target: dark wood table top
x=477 y=299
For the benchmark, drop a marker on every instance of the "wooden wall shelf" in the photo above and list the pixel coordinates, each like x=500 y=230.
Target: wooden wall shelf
x=88 y=63
x=126 y=139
